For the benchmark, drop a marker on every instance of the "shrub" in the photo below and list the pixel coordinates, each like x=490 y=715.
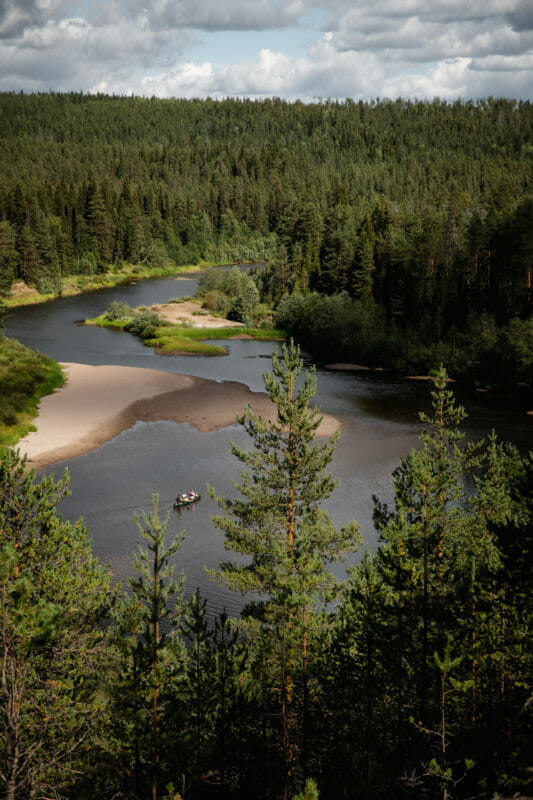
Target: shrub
x=210 y=300
x=144 y=324
x=88 y=264
x=44 y=285
x=83 y=281
x=232 y=281
x=25 y=375
x=237 y=311
x=210 y=280
x=7 y=414
x=118 y=310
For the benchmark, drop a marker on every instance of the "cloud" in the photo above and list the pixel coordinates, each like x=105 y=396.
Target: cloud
x=16 y=17
x=521 y=18
x=346 y=48
x=216 y=15
x=73 y=54
x=324 y=74
x=430 y=32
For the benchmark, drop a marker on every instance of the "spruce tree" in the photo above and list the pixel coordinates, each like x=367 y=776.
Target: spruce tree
x=154 y=655
x=420 y=534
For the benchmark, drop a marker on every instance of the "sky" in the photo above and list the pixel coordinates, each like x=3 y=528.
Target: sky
x=292 y=49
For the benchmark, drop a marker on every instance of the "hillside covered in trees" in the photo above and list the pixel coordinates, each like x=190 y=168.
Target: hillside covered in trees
x=421 y=212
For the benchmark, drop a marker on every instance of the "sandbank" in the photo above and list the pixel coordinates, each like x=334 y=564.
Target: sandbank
x=191 y=313
x=348 y=367
x=97 y=403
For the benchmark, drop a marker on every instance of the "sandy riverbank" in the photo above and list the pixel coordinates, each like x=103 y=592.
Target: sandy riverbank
x=97 y=403
x=191 y=313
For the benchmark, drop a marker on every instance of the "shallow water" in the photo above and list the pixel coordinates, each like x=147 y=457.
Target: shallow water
x=379 y=416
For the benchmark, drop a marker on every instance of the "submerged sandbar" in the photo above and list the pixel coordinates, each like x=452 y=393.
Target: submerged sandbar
x=97 y=403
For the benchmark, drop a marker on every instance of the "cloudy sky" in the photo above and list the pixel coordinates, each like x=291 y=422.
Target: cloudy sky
x=270 y=48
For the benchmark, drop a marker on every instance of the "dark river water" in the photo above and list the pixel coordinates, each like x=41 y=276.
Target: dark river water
x=379 y=416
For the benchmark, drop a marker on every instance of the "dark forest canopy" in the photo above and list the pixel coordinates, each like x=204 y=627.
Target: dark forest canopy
x=410 y=678
x=424 y=209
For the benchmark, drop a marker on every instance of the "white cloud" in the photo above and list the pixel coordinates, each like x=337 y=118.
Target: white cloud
x=387 y=48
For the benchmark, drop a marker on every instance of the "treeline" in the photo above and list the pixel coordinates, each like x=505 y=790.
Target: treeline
x=481 y=351
x=424 y=208
x=411 y=678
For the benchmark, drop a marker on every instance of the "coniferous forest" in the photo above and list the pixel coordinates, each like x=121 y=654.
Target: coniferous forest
x=416 y=217
x=410 y=678
x=397 y=233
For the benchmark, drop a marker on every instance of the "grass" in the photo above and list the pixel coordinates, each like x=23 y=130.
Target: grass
x=25 y=377
x=169 y=339
x=182 y=339
x=76 y=284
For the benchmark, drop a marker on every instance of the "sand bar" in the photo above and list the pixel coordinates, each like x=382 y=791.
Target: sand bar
x=97 y=403
x=191 y=313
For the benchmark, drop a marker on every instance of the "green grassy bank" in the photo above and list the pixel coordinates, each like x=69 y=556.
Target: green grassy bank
x=76 y=284
x=180 y=339
x=25 y=377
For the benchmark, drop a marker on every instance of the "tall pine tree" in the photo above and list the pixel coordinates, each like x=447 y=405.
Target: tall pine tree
x=277 y=521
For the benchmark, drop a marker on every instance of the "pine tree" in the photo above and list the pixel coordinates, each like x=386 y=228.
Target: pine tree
x=278 y=523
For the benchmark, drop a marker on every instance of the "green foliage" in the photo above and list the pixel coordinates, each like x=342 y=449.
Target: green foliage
x=310 y=791
x=217 y=302
x=118 y=310
x=517 y=346
x=210 y=280
x=8 y=256
x=337 y=325
x=152 y=658
x=54 y=601
x=232 y=293
x=144 y=324
x=279 y=524
x=420 y=634
x=25 y=377
x=244 y=305
x=334 y=197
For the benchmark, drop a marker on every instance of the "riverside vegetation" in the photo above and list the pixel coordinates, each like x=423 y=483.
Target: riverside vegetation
x=411 y=677
x=405 y=226
x=229 y=293
x=25 y=377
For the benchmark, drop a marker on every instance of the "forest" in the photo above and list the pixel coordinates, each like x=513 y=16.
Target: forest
x=395 y=234
x=415 y=217
x=409 y=678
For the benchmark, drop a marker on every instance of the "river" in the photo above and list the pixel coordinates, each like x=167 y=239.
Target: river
x=110 y=484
